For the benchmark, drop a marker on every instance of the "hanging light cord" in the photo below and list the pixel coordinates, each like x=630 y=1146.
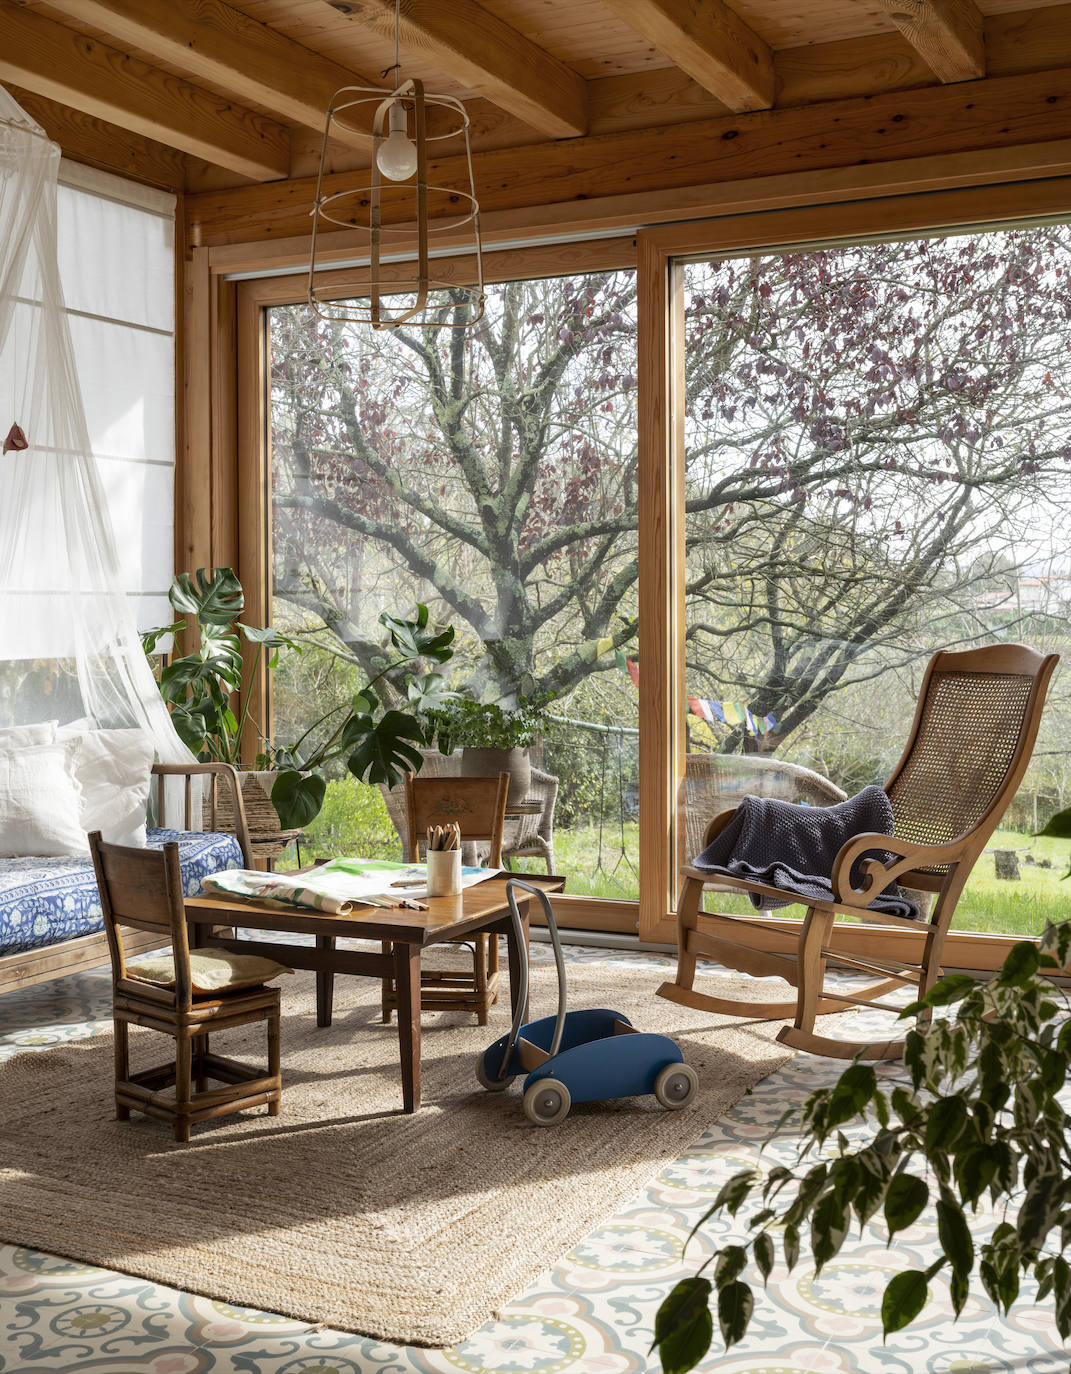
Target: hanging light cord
x=396 y=69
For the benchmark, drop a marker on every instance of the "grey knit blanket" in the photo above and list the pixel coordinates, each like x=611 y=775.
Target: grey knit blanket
x=793 y=847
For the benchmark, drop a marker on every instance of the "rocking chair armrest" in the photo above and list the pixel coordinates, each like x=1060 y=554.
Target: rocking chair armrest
x=877 y=876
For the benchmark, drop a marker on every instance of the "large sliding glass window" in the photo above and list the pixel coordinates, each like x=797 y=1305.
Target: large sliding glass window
x=878 y=465
x=491 y=475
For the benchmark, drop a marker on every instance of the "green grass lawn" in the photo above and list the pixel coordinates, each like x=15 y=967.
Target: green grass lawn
x=988 y=903
x=354 y=821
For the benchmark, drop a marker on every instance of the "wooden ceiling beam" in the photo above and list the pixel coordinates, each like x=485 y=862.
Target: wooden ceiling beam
x=477 y=49
x=210 y=41
x=709 y=41
x=86 y=139
x=949 y=35
x=997 y=113
x=55 y=62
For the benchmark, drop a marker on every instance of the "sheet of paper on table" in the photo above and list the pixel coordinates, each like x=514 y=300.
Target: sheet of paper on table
x=336 y=886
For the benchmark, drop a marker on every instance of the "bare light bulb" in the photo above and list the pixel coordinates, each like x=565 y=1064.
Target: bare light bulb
x=397 y=156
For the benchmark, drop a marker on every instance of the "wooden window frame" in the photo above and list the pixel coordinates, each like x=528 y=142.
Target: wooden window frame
x=661 y=254
x=252 y=451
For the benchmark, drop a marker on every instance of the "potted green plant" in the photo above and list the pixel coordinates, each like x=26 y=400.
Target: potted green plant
x=979 y=1112
x=492 y=738
x=378 y=741
x=200 y=686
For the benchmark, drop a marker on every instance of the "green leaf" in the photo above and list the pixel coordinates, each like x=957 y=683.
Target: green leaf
x=904 y=1201
x=684 y=1326
x=733 y=1193
x=954 y=1234
x=851 y=1094
x=729 y=1264
x=429 y=693
x=829 y=1226
x=151 y=638
x=1020 y=966
x=1040 y=1211
x=410 y=639
x=386 y=753
x=1058 y=826
x=213 y=597
x=951 y=989
x=735 y=1306
x=764 y=1254
x=946 y=1121
x=959 y=1287
x=905 y=1297
x=270 y=639
x=364 y=702
x=298 y=798
x=974 y=1169
x=790 y=1240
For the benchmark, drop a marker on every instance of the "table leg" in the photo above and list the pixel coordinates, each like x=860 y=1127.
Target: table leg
x=407 y=984
x=516 y=955
x=325 y=983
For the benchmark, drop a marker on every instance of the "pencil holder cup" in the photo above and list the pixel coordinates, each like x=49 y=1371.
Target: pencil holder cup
x=444 y=872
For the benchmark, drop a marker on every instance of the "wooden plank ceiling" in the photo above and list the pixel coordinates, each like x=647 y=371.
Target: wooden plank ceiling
x=203 y=95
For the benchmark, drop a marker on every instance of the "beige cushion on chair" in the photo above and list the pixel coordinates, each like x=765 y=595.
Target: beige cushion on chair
x=211 y=970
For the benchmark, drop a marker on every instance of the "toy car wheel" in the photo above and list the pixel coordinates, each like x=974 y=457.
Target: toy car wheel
x=676 y=1085
x=546 y=1102
x=493 y=1085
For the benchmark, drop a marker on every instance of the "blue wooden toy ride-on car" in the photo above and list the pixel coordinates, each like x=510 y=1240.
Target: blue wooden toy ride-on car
x=579 y=1056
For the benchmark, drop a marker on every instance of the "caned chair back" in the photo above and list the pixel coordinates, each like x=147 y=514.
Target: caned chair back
x=142 y=889
x=478 y=805
x=974 y=729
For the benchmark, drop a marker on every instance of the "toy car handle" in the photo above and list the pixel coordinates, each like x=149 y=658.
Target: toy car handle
x=521 y=1001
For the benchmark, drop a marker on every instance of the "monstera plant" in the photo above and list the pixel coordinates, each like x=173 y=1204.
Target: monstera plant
x=200 y=686
x=979 y=1113
x=379 y=742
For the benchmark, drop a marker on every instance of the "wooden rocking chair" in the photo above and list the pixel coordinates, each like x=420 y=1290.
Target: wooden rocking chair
x=974 y=729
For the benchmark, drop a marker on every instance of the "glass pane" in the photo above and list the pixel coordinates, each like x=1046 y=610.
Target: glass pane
x=489 y=474
x=878 y=441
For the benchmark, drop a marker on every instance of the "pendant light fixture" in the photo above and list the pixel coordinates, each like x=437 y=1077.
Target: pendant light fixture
x=397 y=202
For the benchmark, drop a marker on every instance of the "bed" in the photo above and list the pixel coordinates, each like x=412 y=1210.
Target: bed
x=50 y=916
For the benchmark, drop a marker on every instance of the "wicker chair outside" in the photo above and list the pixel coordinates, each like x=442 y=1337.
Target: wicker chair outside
x=524 y=836
x=715 y=783
x=975 y=725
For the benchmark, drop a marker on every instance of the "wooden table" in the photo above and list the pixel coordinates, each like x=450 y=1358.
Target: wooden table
x=403 y=936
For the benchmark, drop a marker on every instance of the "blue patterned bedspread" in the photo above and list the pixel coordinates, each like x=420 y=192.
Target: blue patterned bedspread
x=43 y=901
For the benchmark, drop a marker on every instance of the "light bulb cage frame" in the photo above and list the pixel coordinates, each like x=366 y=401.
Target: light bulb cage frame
x=360 y=208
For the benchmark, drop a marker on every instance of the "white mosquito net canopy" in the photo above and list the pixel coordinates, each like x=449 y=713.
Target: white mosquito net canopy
x=69 y=646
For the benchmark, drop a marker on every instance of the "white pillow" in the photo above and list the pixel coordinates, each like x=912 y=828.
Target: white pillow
x=113 y=769
x=22 y=736
x=40 y=803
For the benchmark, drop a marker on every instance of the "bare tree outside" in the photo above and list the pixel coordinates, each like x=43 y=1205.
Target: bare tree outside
x=878 y=462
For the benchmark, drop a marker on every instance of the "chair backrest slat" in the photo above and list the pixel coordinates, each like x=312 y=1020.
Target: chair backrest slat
x=142 y=889
x=975 y=725
x=478 y=805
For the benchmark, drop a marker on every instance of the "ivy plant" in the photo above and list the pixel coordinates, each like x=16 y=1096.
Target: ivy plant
x=976 y=1116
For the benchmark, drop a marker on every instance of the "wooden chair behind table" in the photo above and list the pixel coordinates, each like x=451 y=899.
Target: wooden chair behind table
x=142 y=888
x=478 y=805
x=974 y=729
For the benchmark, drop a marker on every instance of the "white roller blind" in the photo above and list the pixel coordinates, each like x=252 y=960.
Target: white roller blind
x=117 y=266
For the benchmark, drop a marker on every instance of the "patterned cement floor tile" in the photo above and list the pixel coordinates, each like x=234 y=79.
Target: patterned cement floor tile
x=593 y=1313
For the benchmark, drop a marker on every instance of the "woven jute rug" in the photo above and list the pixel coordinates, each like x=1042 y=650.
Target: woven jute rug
x=342 y=1210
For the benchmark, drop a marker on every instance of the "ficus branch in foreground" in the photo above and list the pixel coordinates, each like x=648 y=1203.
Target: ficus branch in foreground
x=976 y=1116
